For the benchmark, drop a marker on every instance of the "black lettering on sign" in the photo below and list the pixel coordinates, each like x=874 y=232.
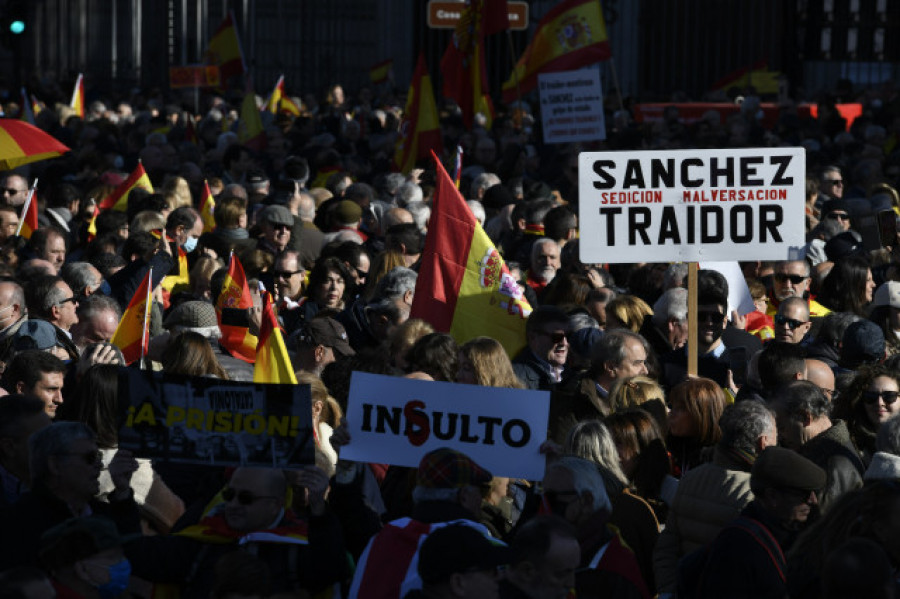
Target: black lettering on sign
x=691 y=225
x=524 y=433
x=714 y=233
x=636 y=226
x=726 y=171
x=686 y=176
x=607 y=181
x=668 y=228
x=747 y=213
x=783 y=163
x=748 y=171
x=634 y=176
x=770 y=218
x=444 y=435
x=489 y=424
x=610 y=213
x=418 y=427
x=661 y=173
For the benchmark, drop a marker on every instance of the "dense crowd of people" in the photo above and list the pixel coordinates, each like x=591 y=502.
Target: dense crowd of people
x=771 y=473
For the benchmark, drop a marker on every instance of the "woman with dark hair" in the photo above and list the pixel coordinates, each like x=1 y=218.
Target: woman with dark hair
x=696 y=406
x=435 y=354
x=870 y=400
x=328 y=288
x=848 y=287
x=97 y=400
x=190 y=354
x=567 y=290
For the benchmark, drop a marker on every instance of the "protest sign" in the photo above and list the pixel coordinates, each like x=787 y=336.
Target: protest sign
x=692 y=205
x=572 y=106
x=397 y=421
x=201 y=420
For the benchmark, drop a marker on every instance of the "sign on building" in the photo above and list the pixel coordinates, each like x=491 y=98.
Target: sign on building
x=572 y=106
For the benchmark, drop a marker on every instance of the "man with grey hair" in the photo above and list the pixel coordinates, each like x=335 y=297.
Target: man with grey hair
x=12 y=314
x=481 y=184
x=805 y=426
x=98 y=318
x=65 y=465
x=477 y=210
x=668 y=325
x=544 y=264
x=50 y=298
x=711 y=495
x=420 y=212
x=409 y=192
x=573 y=489
x=82 y=277
x=367 y=322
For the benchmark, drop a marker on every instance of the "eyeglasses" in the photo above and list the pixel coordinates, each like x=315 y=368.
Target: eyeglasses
x=73 y=299
x=794 y=279
x=281 y=227
x=834 y=181
x=243 y=497
x=556 y=337
x=285 y=274
x=710 y=316
x=10 y=191
x=361 y=274
x=889 y=397
x=838 y=215
x=791 y=323
x=91 y=458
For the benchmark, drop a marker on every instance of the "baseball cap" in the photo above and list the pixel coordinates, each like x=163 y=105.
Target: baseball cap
x=447 y=468
x=458 y=548
x=887 y=295
x=325 y=331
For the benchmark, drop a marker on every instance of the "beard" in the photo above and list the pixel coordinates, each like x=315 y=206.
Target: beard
x=546 y=274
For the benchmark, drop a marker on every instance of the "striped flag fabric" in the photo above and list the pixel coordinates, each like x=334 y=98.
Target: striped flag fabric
x=77 y=102
x=224 y=50
x=464 y=287
x=250 y=127
x=457 y=166
x=570 y=36
x=28 y=220
x=273 y=365
x=118 y=199
x=179 y=282
x=207 y=208
x=381 y=72
x=92 y=226
x=420 y=129
x=132 y=336
x=235 y=295
x=280 y=102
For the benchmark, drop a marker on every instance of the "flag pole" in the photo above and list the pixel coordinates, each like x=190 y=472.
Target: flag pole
x=512 y=59
x=145 y=331
x=615 y=78
x=26 y=206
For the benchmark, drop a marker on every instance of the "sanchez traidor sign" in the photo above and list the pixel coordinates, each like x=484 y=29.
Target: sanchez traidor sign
x=395 y=420
x=691 y=205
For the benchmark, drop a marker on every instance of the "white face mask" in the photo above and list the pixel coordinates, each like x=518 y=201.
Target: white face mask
x=190 y=245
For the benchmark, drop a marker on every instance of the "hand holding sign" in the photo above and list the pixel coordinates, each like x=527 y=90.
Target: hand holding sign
x=120 y=468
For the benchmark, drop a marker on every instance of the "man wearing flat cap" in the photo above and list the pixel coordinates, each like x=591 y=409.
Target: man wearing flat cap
x=747 y=557
x=448 y=491
x=276 y=223
x=459 y=561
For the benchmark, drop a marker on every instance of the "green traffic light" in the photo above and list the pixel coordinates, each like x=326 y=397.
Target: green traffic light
x=17 y=27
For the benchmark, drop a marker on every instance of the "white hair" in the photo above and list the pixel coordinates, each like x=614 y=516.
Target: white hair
x=477 y=210
x=407 y=193
x=420 y=213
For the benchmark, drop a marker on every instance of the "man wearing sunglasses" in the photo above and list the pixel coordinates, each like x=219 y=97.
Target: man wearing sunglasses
x=50 y=298
x=837 y=210
x=791 y=278
x=831 y=182
x=540 y=365
x=13 y=190
x=802 y=413
x=792 y=321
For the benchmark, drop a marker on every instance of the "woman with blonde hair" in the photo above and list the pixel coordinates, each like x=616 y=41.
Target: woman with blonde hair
x=326 y=413
x=190 y=354
x=627 y=312
x=177 y=192
x=383 y=263
x=639 y=392
x=404 y=337
x=201 y=275
x=483 y=361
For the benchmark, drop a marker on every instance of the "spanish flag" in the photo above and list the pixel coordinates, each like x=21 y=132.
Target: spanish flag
x=757 y=75
x=273 y=365
x=235 y=295
x=224 y=50
x=92 y=226
x=420 y=130
x=250 y=127
x=175 y=283
x=207 y=208
x=464 y=287
x=572 y=35
x=463 y=67
x=132 y=335
x=279 y=102
x=77 y=102
x=28 y=220
x=118 y=199
x=381 y=72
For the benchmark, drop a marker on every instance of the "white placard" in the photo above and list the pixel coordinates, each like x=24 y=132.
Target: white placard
x=692 y=205
x=739 y=297
x=572 y=106
x=396 y=421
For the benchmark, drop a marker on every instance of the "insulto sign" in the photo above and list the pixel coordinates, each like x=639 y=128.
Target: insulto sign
x=692 y=205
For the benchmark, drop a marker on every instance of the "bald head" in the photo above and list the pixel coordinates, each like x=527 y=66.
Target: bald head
x=396 y=216
x=821 y=375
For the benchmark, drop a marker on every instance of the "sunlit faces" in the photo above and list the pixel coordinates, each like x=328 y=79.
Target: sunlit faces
x=880 y=400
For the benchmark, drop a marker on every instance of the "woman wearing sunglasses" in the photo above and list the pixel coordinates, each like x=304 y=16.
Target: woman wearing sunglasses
x=870 y=400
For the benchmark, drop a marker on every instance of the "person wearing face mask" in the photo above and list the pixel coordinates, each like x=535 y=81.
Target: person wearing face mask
x=84 y=558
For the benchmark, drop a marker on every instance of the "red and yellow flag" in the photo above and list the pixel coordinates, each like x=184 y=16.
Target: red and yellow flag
x=572 y=35
x=464 y=287
x=279 y=102
x=77 y=102
x=92 y=226
x=757 y=75
x=224 y=50
x=381 y=72
x=207 y=208
x=118 y=199
x=28 y=220
x=175 y=283
x=235 y=295
x=273 y=365
x=463 y=67
x=420 y=130
x=250 y=127
x=132 y=335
